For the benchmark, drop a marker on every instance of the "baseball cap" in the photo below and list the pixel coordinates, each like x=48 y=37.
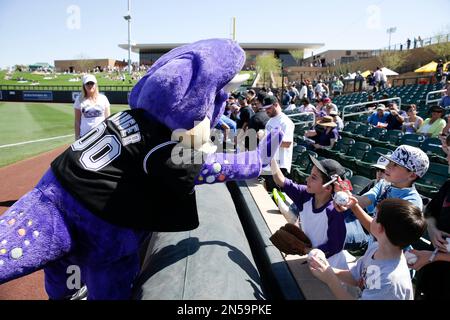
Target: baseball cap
x=89 y=78
x=329 y=167
x=268 y=101
x=326 y=100
x=411 y=158
x=381 y=163
x=381 y=107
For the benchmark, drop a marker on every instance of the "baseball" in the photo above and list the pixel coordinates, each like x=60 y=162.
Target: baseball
x=411 y=258
x=341 y=198
x=318 y=254
x=448 y=244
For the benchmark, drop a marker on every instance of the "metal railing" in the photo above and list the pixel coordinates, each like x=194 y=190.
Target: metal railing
x=427 y=101
x=61 y=87
x=365 y=103
x=414 y=44
x=292 y=115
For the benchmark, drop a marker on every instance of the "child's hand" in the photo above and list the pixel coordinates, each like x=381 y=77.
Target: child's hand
x=320 y=267
x=423 y=257
x=352 y=201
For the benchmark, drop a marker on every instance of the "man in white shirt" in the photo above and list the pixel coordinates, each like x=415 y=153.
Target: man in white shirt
x=281 y=121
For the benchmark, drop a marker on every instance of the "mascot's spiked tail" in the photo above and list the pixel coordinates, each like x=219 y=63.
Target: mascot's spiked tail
x=32 y=233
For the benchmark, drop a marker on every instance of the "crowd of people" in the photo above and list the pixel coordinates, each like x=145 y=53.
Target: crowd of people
x=384 y=223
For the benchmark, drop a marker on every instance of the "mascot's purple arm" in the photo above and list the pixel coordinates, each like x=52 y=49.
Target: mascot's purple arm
x=48 y=228
x=221 y=167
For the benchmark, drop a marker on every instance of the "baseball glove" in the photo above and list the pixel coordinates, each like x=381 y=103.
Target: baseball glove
x=291 y=240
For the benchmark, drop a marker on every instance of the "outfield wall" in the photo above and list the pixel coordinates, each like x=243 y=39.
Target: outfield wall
x=59 y=94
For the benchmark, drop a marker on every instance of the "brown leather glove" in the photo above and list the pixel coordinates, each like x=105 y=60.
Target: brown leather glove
x=297 y=232
x=288 y=242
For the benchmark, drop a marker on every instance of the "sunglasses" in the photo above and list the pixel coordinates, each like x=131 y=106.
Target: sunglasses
x=90 y=83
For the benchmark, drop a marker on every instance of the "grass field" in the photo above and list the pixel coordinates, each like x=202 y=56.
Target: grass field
x=63 y=79
x=22 y=122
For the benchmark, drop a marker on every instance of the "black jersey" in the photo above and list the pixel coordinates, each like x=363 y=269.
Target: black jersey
x=122 y=171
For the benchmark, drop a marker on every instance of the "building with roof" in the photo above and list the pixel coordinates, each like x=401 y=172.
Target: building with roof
x=149 y=53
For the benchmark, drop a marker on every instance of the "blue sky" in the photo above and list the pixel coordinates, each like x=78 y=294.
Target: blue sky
x=45 y=30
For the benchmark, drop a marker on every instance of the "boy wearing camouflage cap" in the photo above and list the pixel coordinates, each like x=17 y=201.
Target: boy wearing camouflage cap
x=406 y=165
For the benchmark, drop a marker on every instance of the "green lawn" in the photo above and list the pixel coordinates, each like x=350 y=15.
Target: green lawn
x=21 y=122
x=61 y=79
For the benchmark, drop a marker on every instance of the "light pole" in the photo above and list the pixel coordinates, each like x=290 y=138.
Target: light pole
x=128 y=18
x=390 y=31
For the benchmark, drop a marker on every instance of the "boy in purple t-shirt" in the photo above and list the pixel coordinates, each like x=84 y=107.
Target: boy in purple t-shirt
x=319 y=220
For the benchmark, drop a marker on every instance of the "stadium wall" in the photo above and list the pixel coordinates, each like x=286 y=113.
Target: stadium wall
x=114 y=97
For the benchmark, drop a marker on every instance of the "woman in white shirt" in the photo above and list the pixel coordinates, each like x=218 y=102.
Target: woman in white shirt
x=91 y=107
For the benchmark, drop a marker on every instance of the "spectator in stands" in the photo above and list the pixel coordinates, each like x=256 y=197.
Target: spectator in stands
x=379 y=117
x=324 y=135
x=395 y=118
x=398 y=223
x=91 y=107
x=445 y=101
x=293 y=92
x=228 y=128
x=359 y=80
x=286 y=100
x=439 y=71
x=319 y=90
x=259 y=120
x=413 y=122
x=307 y=106
x=280 y=121
x=379 y=167
x=336 y=118
x=319 y=220
x=251 y=94
x=245 y=113
x=291 y=107
x=303 y=91
x=433 y=278
x=433 y=127
x=378 y=77
x=337 y=86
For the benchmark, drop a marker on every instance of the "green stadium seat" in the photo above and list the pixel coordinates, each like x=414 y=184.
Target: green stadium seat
x=359 y=183
x=412 y=139
x=356 y=152
x=435 y=177
x=363 y=166
x=341 y=147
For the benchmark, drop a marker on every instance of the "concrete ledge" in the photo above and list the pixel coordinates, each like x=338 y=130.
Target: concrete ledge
x=311 y=288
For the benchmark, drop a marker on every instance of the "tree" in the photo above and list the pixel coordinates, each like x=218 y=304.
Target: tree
x=297 y=55
x=266 y=64
x=83 y=62
x=442 y=47
x=393 y=59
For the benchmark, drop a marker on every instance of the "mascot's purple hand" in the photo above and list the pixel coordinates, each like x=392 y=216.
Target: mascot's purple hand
x=269 y=145
x=222 y=167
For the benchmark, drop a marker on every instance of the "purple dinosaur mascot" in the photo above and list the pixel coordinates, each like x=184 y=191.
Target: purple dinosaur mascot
x=133 y=174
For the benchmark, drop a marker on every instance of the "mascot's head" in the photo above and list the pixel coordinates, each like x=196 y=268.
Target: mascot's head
x=188 y=85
